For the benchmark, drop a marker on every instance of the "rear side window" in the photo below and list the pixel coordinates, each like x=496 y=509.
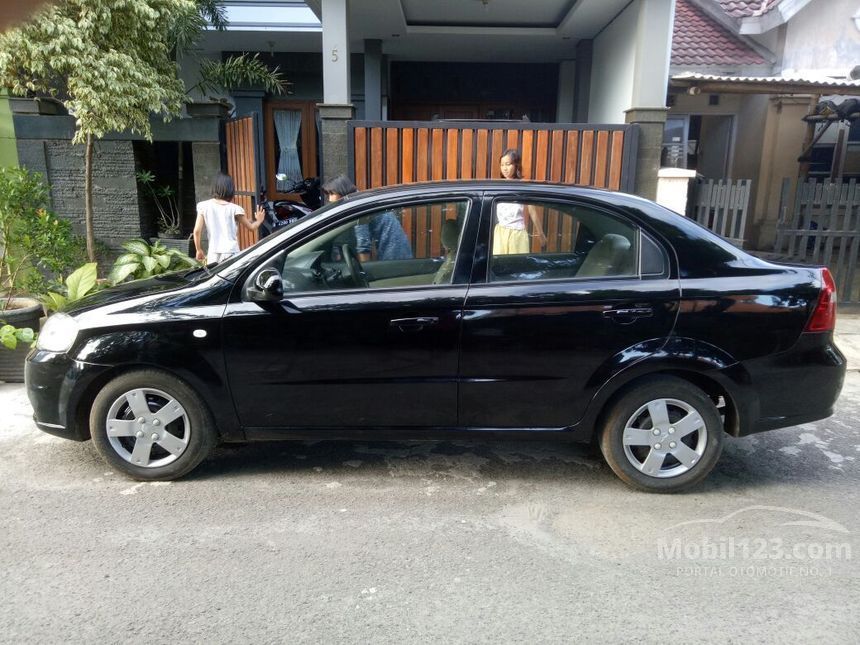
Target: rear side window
x=534 y=240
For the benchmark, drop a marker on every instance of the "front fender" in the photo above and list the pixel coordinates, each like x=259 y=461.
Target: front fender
x=183 y=351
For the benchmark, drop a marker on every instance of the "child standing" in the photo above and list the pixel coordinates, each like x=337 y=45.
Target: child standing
x=221 y=217
x=510 y=234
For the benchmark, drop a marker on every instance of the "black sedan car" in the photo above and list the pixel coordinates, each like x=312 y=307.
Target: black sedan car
x=457 y=309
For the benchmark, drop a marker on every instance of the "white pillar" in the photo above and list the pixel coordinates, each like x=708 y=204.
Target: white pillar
x=335 y=45
x=654 y=27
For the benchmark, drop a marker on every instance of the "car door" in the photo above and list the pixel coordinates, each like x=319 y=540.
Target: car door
x=355 y=343
x=543 y=329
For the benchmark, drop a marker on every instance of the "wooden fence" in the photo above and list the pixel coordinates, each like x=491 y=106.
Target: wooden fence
x=240 y=138
x=722 y=207
x=819 y=224
x=401 y=152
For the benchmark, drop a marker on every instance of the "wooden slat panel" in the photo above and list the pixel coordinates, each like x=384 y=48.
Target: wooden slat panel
x=407 y=154
x=541 y=155
x=435 y=231
x=586 y=155
x=422 y=165
x=556 y=156
x=512 y=139
x=392 y=154
x=482 y=154
x=496 y=153
x=375 y=161
x=360 y=139
x=528 y=154
x=616 y=159
x=436 y=159
x=452 y=154
x=572 y=158
x=600 y=159
x=467 y=166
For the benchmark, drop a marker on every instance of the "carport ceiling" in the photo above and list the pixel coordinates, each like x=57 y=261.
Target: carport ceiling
x=450 y=30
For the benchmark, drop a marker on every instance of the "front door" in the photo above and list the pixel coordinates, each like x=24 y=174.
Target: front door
x=569 y=291
x=367 y=333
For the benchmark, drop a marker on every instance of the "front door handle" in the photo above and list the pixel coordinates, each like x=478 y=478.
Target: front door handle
x=628 y=314
x=414 y=324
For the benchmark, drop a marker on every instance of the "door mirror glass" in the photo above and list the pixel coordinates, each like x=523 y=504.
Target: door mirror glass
x=267 y=286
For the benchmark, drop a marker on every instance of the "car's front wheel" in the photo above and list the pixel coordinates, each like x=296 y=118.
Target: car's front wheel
x=151 y=426
x=663 y=435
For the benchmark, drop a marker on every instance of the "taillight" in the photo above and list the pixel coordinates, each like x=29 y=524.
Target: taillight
x=824 y=316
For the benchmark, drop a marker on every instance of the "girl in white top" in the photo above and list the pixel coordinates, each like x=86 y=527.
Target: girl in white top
x=221 y=217
x=510 y=234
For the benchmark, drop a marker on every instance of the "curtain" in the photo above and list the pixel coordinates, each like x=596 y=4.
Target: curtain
x=287 y=125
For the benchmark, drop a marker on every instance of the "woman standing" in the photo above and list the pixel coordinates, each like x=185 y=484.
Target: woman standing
x=510 y=234
x=220 y=217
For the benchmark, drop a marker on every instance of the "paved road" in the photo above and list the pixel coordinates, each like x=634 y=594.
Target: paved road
x=478 y=542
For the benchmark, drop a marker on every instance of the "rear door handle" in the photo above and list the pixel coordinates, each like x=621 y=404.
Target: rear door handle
x=414 y=324
x=628 y=314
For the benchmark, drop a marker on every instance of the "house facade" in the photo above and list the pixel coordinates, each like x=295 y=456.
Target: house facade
x=744 y=74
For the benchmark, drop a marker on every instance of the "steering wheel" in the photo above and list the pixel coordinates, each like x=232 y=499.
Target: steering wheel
x=353 y=266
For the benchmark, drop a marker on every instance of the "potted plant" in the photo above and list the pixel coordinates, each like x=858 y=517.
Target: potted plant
x=165 y=200
x=34 y=244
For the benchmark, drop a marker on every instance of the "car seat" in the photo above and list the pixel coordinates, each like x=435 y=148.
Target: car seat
x=450 y=236
x=609 y=256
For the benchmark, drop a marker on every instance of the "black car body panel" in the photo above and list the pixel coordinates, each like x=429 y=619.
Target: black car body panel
x=515 y=358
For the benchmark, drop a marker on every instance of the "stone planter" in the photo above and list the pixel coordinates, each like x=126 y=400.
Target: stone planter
x=40 y=105
x=181 y=244
x=25 y=312
x=220 y=109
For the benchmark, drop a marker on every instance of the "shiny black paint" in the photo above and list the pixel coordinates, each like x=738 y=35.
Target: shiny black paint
x=499 y=357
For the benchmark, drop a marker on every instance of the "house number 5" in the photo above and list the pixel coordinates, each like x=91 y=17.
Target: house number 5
x=334 y=55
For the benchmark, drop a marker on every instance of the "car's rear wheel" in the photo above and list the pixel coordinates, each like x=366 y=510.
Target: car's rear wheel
x=663 y=435
x=151 y=426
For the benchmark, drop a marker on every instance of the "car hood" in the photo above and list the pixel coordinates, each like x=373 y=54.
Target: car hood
x=129 y=290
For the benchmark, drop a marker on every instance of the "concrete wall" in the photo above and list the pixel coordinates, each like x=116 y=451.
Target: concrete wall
x=822 y=36
x=613 y=67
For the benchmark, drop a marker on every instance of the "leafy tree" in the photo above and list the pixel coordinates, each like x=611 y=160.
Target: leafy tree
x=113 y=64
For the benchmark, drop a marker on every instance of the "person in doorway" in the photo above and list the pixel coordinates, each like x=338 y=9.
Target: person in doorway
x=383 y=230
x=510 y=234
x=220 y=218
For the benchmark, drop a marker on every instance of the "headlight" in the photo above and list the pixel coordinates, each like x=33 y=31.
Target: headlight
x=58 y=334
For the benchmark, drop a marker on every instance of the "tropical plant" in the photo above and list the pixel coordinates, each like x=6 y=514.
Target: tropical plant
x=143 y=260
x=34 y=243
x=79 y=283
x=10 y=336
x=164 y=198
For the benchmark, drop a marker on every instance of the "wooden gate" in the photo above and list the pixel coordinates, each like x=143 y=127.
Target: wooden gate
x=240 y=137
x=401 y=152
x=819 y=224
x=722 y=206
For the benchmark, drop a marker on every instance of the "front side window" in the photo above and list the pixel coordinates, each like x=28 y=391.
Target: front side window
x=405 y=246
x=534 y=240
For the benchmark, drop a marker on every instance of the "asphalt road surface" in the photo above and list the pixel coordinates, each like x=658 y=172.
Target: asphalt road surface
x=417 y=542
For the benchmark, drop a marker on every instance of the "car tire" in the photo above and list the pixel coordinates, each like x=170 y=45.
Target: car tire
x=662 y=436
x=151 y=426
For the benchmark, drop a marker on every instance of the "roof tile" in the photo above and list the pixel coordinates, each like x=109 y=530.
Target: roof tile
x=747 y=8
x=700 y=40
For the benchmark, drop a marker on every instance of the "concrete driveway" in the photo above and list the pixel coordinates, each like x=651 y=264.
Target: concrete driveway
x=467 y=542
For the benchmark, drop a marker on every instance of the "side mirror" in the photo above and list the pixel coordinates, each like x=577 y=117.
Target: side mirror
x=267 y=287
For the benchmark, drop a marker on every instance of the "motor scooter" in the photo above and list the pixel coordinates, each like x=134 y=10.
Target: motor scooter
x=280 y=213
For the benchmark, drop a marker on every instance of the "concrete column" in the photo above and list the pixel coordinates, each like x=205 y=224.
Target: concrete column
x=651 y=122
x=373 y=79
x=566 y=91
x=335 y=51
x=336 y=108
x=655 y=22
x=582 y=80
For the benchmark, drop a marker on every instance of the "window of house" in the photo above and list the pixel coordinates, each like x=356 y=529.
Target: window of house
x=545 y=241
x=291 y=145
